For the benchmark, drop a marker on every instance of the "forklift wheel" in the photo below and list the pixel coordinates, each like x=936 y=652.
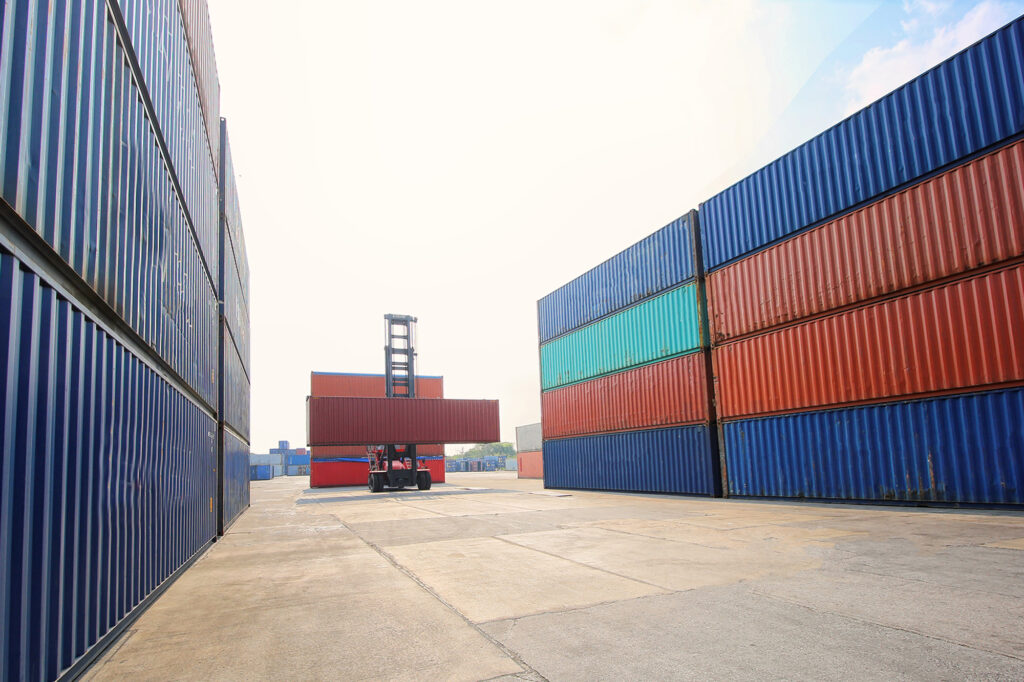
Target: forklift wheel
x=423 y=480
x=375 y=483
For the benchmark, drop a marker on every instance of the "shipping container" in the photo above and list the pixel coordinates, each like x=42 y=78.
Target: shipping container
x=297 y=470
x=328 y=451
x=967 y=218
x=658 y=328
x=965 y=105
x=159 y=42
x=962 y=449
x=235 y=390
x=354 y=385
x=675 y=460
x=296 y=460
x=351 y=421
x=343 y=471
x=107 y=470
x=234 y=269
x=204 y=63
x=654 y=264
x=272 y=458
x=261 y=472
x=963 y=335
x=668 y=393
x=234 y=484
x=531 y=464
x=82 y=165
x=529 y=438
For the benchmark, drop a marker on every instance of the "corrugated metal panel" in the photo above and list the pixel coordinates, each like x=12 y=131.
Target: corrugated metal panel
x=676 y=460
x=108 y=479
x=327 y=474
x=204 y=64
x=668 y=393
x=351 y=421
x=529 y=438
x=431 y=449
x=662 y=260
x=337 y=384
x=297 y=470
x=967 y=103
x=296 y=460
x=955 y=449
x=966 y=218
x=658 y=328
x=261 y=472
x=157 y=31
x=81 y=165
x=234 y=269
x=957 y=336
x=531 y=464
x=234 y=406
x=261 y=458
x=235 y=480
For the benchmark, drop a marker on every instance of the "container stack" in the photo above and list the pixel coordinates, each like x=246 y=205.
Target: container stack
x=624 y=401
x=233 y=344
x=865 y=297
x=109 y=291
x=530 y=460
x=348 y=465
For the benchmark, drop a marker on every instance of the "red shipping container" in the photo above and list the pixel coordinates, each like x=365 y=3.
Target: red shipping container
x=665 y=393
x=968 y=334
x=327 y=474
x=967 y=218
x=351 y=421
x=327 y=451
x=531 y=464
x=323 y=384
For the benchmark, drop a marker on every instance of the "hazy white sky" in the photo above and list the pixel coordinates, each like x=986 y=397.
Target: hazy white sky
x=458 y=160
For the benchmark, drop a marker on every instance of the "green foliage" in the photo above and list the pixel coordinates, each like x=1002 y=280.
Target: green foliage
x=487 y=450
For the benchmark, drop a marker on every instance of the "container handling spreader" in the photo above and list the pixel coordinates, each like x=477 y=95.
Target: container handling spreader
x=395 y=465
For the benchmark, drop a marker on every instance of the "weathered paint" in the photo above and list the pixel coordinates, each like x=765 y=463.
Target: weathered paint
x=352 y=421
x=964 y=219
x=971 y=101
x=234 y=262
x=235 y=388
x=108 y=484
x=234 y=478
x=676 y=460
x=658 y=262
x=965 y=335
x=356 y=385
x=529 y=437
x=657 y=328
x=964 y=448
x=530 y=464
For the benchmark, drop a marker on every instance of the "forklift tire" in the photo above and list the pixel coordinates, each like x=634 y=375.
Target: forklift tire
x=375 y=483
x=423 y=480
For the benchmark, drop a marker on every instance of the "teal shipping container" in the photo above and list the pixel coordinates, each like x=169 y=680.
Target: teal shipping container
x=658 y=328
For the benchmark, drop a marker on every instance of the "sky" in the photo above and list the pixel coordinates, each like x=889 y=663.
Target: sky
x=458 y=160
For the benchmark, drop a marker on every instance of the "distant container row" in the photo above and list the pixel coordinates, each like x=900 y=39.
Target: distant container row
x=122 y=271
x=845 y=323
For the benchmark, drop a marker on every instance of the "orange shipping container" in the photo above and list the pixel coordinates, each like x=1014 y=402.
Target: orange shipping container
x=531 y=464
x=353 y=385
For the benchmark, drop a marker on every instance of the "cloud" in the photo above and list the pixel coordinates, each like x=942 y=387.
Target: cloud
x=883 y=69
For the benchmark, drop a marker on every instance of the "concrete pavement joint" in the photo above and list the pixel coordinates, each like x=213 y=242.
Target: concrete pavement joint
x=854 y=569
x=429 y=590
x=897 y=628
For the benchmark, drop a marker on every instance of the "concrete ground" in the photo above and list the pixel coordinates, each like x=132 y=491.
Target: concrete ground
x=492 y=577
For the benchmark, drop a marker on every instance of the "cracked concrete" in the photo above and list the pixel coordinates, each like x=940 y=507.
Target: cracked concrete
x=484 y=579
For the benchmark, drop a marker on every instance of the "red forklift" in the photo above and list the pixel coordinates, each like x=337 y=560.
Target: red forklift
x=396 y=465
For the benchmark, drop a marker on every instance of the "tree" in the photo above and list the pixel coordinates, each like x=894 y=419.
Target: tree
x=488 y=450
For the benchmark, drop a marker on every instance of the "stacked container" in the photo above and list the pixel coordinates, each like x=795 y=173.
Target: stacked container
x=865 y=297
x=624 y=399
x=233 y=344
x=348 y=465
x=529 y=458
x=109 y=281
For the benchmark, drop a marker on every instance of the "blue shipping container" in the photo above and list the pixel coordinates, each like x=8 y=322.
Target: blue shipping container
x=676 y=460
x=297 y=460
x=658 y=262
x=108 y=479
x=234 y=269
x=234 y=467
x=235 y=390
x=962 y=106
x=81 y=164
x=261 y=472
x=965 y=448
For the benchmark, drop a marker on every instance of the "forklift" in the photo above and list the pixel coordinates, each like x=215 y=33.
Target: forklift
x=396 y=465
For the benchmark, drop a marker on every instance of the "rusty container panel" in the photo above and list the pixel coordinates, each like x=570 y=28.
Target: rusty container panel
x=669 y=393
x=966 y=218
x=352 y=421
x=326 y=452
x=962 y=448
x=965 y=335
x=356 y=385
x=530 y=464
